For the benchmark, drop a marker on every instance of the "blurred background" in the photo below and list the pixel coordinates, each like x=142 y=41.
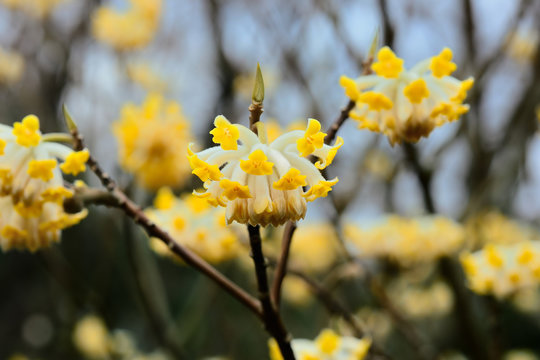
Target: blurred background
x=202 y=55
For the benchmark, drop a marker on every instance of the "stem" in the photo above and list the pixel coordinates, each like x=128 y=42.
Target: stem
x=344 y=114
x=119 y=200
x=270 y=317
x=281 y=269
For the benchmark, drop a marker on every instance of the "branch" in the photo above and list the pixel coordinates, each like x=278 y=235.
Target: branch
x=270 y=317
x=344 y=114
x=281 y=268
x=119 y=200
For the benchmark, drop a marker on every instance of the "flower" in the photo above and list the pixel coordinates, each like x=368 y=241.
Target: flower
x=327 y=346
x=129 y=30
x=407 y=241
x=35 y=8
x=435 y=299
x=501 y=270
x=494 y=228
x=194 y=223
x=522 y=45
x=151 y=141
x=11 y=67
x=406 y=105
x=261 y=183
x=32 y=188
x=144 y=75
x=90 y=336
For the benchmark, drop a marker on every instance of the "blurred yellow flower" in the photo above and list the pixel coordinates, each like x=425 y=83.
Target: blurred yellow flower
x=90 y=337
x=35 y=8
x=261 y=183
x=327 y=346
x=146 y=77
x=128 y=30
x=408 y=241
x=407 y=105
x=194 y=223
x=275 y=130
x=501 y=270
x=522 y=45
x=11 y=67
x=435 y=299
x=152 y=138
x=32 y=188
x=495 y=228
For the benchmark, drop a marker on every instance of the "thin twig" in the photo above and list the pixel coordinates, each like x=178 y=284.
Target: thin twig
x=271 y=318
x=344 y=114
x=281 y=268
x=119 y=200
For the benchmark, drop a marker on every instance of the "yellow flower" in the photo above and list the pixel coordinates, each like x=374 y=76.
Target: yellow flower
x=407 y=241
x=32 y=188
x=194 y=224
x=90 y=337
x=149 y=138
x=225 y=134
x=502 y=270
x=388 y=64
x=407 y=105
x=257 y=164
x=27 y=131
x=75 y=162
x=41 y=169
x=328 y=345
x=11 y=67
x=129 y=30
x=37 y=9
x=261 y=183
x=313 y=138
x=291 y=180
x=442 y=65
x=146 y=77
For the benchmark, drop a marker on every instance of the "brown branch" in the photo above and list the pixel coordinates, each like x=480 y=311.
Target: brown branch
x=334 y=307
x=281 y=268
x=119 y=200
x=270 y=316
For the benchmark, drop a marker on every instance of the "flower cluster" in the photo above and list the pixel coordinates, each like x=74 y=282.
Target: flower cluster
x=11 y=67
x=435 y=299
x=128 y=30
x=93 y=340
x=327 y=346
x=314 y=246
x=35 y=8
x=152 y=138
x=495 y=228
x=195 y=224
x=31 y=186
x=261 y=183
x=406 y=105
x=407 y=241
x=501 y=270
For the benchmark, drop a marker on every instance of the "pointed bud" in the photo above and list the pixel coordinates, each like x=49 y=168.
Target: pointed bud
x=374 y=44
x=72 y=126
x=257 y=97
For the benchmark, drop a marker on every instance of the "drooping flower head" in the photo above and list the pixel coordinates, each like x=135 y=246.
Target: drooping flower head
x=502 y=270
x=327 y=346
x=261 y=183
x=406 y=105
x=32 y=189
x=152 y=138
x=128 y=30
x=194 y=223
x=407 y=241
